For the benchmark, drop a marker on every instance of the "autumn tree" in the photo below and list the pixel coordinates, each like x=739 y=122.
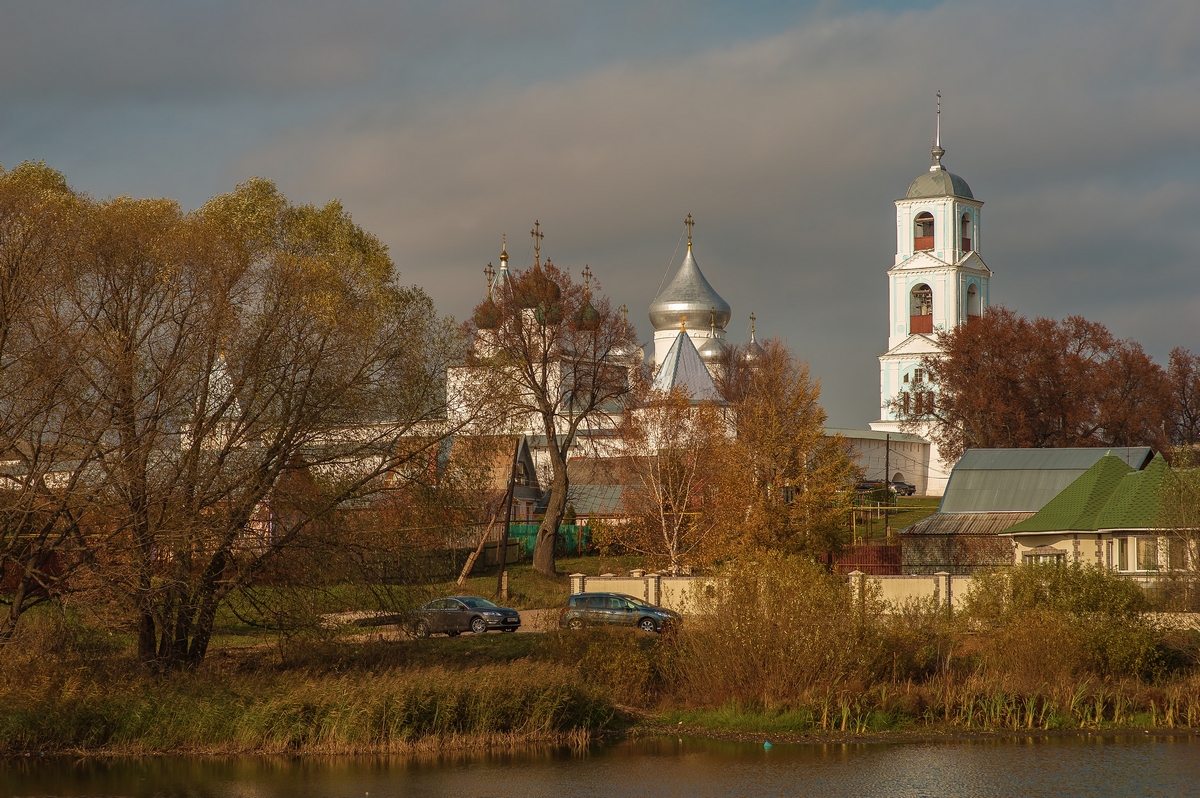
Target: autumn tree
x=49 y=436
x=1002 y=380
x=1183 y=375
x=550 y=353
x=258 y=367
x=799 y=480
x=680 y=499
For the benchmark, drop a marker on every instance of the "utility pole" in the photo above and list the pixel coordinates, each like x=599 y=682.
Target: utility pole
x=887 y=486
x=502 y=540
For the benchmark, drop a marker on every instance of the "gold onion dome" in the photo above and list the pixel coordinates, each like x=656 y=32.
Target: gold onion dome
x=688 y=295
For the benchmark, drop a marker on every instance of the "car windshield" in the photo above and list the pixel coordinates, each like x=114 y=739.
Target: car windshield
x=478 y=603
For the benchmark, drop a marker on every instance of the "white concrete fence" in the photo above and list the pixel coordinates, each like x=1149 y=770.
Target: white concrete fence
x=679 y=593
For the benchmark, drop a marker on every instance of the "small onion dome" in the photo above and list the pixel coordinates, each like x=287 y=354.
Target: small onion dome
x=534 y=289
x=753 y=353
x=711 y=350
x=488 y=315
x=627 y=355
x=587 y=319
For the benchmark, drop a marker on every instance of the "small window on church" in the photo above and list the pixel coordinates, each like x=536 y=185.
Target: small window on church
x=966 y=232
x=906 y=403
x=906 y=378
x=923 y=232
x=918 y=375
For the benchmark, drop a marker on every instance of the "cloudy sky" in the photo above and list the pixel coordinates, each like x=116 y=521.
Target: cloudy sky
x=786 y=129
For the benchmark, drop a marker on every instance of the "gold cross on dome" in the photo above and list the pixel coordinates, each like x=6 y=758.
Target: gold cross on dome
x=624 y=315
x=491 y=273
x=690 y=224
x=587 y=281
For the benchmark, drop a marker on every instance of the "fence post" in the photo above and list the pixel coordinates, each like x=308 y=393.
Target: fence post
x=577 y=583
x=858 y=586
x=654 y=589
x=941 y=589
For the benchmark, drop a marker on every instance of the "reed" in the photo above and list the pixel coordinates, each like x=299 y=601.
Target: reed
x=392 y=711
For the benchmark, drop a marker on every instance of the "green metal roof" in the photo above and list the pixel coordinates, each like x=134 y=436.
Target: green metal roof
x=1022 y=480
x=1079 y=505
x=1136 y=501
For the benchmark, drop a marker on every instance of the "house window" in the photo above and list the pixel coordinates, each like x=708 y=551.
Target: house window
x=1147 y=554
x=1123 y=554
x=1044 y=555
x=1176 y=554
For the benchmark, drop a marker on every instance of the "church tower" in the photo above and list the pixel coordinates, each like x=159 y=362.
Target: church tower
x=937 y=282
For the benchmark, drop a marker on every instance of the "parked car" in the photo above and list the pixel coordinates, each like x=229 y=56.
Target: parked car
x=457 y=614
x=614 y=609
x=903 y=488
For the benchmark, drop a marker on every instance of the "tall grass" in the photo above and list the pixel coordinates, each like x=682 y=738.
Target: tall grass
x=87 y=699
x=1036 y=648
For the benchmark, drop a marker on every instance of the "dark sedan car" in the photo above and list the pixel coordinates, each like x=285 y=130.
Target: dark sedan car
x=614 y=609
x=458 y=614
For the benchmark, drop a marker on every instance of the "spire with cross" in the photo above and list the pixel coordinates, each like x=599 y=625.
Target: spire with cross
x=690 y=224
x=491 y=274
x=503 y=249
x=587 y=282
x=538 y=235
x=937 y=153
x=624 y=310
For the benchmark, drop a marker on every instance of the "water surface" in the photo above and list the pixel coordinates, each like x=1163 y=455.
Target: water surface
x=1133 y=765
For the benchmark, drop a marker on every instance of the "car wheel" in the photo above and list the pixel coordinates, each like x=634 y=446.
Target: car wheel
x=479 y=626
x=647 y=625
x=421 y=630
x=575 y=623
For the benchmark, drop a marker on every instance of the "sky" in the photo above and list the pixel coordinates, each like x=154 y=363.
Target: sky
x=786 y=129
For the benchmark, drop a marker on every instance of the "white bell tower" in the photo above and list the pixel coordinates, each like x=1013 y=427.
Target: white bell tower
x=937 y=282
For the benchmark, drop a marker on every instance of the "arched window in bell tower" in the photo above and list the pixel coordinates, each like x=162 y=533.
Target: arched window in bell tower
x=920 y=309
x=973 y=304
x=923 y=232
x=965 y=224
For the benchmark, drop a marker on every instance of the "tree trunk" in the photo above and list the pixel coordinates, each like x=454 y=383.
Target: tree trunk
x=543 y=549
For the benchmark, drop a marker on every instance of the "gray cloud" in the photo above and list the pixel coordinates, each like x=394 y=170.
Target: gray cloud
x=787 y=133
x=1076 y=128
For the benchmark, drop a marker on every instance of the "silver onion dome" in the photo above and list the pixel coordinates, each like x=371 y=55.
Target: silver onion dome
x=689 y=299
x=710 y=351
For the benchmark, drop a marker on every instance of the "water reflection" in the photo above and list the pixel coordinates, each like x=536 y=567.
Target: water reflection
x=1134 y=765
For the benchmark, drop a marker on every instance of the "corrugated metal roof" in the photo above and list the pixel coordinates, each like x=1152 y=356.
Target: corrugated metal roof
x=965 y=524
x=1022 y=480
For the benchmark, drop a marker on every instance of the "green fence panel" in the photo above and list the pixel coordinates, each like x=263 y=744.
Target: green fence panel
x=572 y=538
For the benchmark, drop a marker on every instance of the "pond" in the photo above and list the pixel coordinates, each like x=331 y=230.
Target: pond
x=1129 y=765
